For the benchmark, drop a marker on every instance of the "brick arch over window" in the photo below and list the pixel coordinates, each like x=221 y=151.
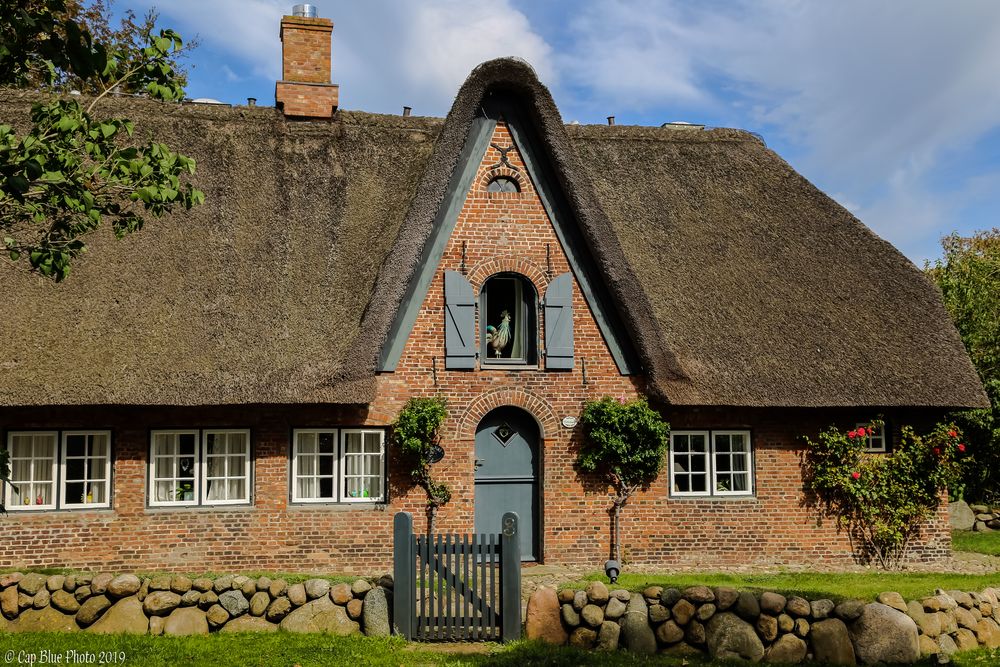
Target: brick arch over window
x=534 y=405
x=483 y=271
x=523 y=184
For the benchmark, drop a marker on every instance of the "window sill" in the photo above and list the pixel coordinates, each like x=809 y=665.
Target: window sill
x=507 y=367
x=173 y=509
x=726 y=498
x=49 y=511
x=338 y=507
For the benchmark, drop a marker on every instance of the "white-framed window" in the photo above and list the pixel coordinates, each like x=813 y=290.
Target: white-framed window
x=689 y=463
x=86 y=469
x=875 y=437
x=33 y=458
x=190 y=467
x=58 y=470
x=226 y=467
x=338 y=465
x=711 y=463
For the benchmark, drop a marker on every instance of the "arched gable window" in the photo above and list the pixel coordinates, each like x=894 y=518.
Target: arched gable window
x=508 y=322
x=503 y=184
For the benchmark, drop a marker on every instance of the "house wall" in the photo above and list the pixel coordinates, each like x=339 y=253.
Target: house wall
x=501 y=232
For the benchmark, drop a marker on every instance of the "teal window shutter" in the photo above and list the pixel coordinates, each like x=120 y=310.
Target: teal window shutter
x=459 y=322
x=559 y=323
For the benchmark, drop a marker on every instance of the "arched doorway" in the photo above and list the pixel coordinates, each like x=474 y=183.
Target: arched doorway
x=507 y=458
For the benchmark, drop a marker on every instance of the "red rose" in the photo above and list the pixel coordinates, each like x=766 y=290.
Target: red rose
x=852 y=435
x=937 y=451
x=961 y=447
x=855 y=475
x=861 y=432
x=953 y=434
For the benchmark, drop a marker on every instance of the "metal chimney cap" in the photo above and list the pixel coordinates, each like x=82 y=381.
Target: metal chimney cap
x=305 y=11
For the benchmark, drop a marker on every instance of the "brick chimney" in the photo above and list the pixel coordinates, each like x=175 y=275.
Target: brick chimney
x=305 y=90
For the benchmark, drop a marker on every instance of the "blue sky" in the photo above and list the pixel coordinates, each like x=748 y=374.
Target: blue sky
x=892 y=107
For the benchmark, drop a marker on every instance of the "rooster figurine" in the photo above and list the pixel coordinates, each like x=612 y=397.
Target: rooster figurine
x=499 y=337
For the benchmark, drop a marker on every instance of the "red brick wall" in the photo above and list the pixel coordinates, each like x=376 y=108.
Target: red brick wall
x=503 y=232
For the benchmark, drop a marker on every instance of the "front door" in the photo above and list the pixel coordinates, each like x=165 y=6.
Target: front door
x=507 y=474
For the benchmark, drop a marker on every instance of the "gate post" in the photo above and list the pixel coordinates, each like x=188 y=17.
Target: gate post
x=403 y=584
x=510 y=578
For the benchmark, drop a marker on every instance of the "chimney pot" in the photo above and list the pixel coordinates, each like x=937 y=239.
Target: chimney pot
x=406 y=111
x=251 y=101
x=611 y=120
x=305 y=11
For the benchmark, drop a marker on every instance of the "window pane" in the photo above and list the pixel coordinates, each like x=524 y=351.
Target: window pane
x=327 y=444
x=164 y=491
x=326 y=488
x=43 y=494
x=724 y=483
x=740 y=483
x=75 y=493
x=186 y=443
x=306 y=443
x=96 y=493
x=699 y=483
x=45 y=447
x=326 y=465
x=352 y=443
x=739 y=462
x=76 y=445
x=698 y=463
x=75 y=470
x=237 y=489
x=307 y=465
x=681 y=444
x=43 y=470
x=698 y=443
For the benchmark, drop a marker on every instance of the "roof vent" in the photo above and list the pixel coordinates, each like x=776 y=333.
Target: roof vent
x=305 y=11
x=683 y=125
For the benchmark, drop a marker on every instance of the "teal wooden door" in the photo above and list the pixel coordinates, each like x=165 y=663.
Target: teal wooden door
x=507 y=474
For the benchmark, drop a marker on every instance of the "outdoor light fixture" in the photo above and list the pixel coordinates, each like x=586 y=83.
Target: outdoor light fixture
x=612 y=568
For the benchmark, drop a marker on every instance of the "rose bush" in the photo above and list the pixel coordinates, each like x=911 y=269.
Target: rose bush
x=881 y=499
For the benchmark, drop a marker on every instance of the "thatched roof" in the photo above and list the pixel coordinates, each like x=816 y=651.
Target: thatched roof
x=738 y=281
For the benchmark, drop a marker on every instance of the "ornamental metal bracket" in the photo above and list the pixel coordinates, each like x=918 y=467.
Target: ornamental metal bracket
x=504 y=160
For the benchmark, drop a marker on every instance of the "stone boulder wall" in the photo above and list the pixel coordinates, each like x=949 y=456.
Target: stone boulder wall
x=765 y=627
x=113 y=603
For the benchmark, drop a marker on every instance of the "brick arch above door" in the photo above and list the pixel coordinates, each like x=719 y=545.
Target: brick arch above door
x=534 y=405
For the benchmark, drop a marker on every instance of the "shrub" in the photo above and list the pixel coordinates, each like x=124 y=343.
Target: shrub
x=416 y=433
x=882 y=498
x=627 y=442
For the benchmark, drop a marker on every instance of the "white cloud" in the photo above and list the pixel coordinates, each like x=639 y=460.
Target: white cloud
x=871 y=96
x=386 y=53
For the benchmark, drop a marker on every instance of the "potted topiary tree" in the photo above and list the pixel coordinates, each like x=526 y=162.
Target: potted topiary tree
x=627 y=443
x=416 y=433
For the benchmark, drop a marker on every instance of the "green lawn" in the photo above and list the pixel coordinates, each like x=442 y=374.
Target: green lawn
x=982 y=543
x=280 y=650
x=836 y=586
